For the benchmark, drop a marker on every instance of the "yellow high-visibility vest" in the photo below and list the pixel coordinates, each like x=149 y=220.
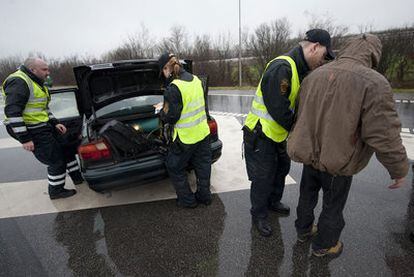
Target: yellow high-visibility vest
x=192 y=126
x=36 y=109
x=258 y=111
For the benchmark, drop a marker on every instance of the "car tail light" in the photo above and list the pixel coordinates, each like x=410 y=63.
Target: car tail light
x=96 y=150
x=213 y=126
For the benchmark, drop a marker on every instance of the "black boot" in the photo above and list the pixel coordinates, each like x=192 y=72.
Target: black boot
x=203 y=198
x=263 y=226
x=185 y=197
x=203 y=193
x=61 y=193
x=186 y=205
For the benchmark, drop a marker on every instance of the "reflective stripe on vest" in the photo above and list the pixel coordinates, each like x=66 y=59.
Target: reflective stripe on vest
x=258 y=111
x=192 y=126
x=36 y=110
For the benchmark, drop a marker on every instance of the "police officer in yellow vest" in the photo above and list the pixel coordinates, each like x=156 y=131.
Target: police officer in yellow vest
x=184 y=108
x=271 y=118
x=29 y=120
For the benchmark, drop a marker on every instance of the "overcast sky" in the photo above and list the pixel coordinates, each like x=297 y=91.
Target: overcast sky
x=59 y=28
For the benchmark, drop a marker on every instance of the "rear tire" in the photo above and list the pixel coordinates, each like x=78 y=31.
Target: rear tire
x=95 y=189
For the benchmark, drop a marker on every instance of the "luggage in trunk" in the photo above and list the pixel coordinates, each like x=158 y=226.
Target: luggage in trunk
x=123 y=138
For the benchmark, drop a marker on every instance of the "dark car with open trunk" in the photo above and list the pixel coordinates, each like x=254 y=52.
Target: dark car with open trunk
x=123 y=141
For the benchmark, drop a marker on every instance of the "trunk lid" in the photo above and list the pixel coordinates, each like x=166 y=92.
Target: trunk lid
x=102 y=84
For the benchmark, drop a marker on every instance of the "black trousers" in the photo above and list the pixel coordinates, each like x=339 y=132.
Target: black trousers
x=53 y=150
x=179 y=157
x=267 y=166
x=335 y=193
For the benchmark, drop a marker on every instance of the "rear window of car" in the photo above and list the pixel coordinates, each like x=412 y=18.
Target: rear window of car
x=108 y=84
x=130 y=106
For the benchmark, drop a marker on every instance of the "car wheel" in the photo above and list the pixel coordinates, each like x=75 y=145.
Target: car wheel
x=96 y=189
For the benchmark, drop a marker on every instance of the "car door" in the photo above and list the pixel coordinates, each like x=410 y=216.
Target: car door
x=64 y=106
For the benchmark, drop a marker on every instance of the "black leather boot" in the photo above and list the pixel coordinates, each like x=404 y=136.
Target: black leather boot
x=263 y=226
x=186 y=205
x=61 y=193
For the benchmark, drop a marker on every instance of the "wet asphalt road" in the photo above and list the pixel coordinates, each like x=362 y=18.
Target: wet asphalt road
x=157 y=239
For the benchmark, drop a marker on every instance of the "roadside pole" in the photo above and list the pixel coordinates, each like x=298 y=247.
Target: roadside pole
x=240 y=47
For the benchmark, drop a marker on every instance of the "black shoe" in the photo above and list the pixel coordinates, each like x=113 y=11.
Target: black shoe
x=187 y=206
x=203 y=200
x=308 y=235
x=279 y=208
x=206 y=202
x=62 y=193
x=263 y=226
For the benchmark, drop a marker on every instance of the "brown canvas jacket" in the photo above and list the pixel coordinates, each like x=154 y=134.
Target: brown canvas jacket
x=347 y=113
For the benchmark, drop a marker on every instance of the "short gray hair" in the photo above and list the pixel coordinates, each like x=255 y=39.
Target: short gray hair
x=30 y=61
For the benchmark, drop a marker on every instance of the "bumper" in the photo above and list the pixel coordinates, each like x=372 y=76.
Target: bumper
x=135 y=172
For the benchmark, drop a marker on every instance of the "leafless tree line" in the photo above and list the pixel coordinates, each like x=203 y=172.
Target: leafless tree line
x=217 y=57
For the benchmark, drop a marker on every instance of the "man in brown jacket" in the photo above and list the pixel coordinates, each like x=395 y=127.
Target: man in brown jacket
x=346 y=113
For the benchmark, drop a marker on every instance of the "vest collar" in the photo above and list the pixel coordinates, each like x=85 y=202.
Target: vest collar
x=184 y=75
x=302 y=66
x=31 y=75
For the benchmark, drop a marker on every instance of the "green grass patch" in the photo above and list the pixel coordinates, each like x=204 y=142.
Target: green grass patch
x=405 y=90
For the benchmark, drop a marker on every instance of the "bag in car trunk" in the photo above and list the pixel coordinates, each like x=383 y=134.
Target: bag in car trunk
x=125 y=139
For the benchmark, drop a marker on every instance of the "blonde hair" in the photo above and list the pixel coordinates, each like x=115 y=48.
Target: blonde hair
x=176 y=66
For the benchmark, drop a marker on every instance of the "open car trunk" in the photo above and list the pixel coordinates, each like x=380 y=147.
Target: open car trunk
x=137 y=131
x=131 y=136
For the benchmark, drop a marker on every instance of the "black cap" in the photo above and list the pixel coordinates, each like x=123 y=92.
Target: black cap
x=323 y=37
x=163 y=60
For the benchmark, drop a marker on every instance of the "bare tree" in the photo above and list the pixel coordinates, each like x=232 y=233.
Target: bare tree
x=9 y=65
x=269 y=41
x=202 y=48
x=367 y=28
x=220 y=67
x=224 y=50
x=397 y=53
x=62 y=70
x=177 y=42
x=327 y=22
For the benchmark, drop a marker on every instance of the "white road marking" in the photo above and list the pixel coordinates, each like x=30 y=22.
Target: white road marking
x=228 y=174
x=228 y=114
x=408 y=141
x=252 y=95
x=238 y=95
x=9 y=143
x=406 y=133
